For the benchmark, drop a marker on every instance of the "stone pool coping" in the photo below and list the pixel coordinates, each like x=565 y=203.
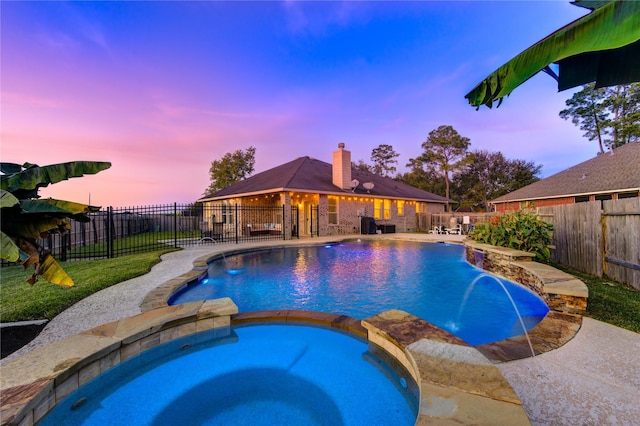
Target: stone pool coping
x=457 y=383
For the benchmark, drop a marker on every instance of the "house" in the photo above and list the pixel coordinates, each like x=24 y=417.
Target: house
x=609 y=176
x=311 y=197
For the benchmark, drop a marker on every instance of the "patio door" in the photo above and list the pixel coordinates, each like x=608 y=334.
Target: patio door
x=305 y=218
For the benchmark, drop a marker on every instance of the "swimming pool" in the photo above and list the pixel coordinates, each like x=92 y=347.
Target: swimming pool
x=258 y=375
x=360 y=279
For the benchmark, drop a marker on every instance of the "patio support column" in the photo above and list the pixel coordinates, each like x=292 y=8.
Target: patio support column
x=285 y=200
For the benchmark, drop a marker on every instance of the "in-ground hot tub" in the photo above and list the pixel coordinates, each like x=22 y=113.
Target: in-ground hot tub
x=261 y=374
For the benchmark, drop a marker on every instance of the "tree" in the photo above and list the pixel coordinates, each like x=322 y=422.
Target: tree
x=445 y=152
x=26 y=218
x=520 y=174
x=384 y=158
x=609 y=115
x=362 y=166
x=491 y=175
x=230 y=169
x=421 y=177
x=623 y=102
x=193 y=209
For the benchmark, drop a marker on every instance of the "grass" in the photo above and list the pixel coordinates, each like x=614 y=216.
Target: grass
x=21 y=302
x=135 y=243
x=609 y=302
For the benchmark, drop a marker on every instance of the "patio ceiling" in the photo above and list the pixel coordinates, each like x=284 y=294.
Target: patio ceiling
x=603 y=46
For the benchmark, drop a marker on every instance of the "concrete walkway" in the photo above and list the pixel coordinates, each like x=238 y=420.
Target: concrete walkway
x=592 y=380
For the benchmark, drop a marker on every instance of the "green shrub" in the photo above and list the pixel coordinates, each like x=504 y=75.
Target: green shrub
x=522 y=230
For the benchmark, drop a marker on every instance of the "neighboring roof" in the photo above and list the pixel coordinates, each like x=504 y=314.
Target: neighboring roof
x=613 y=171
x=310 y=175
x=603 y=46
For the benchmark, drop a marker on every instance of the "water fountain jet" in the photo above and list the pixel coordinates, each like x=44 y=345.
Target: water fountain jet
x=468 y=293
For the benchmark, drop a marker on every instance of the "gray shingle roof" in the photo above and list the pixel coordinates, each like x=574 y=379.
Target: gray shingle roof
x=612 y=171
x=311 y=175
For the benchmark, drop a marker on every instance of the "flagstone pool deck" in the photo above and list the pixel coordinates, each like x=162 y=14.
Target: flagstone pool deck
x=587 y=372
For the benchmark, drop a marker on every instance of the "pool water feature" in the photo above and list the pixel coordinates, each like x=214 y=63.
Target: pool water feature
x=513 y=303
x=361 y=279
x=259 y=375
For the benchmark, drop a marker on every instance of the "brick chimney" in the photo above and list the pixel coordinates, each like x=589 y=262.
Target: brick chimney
x=342 y=167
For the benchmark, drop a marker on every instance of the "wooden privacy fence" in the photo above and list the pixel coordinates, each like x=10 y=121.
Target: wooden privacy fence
x=600 y=238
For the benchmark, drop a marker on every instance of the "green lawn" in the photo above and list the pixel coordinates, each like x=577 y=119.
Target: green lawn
x=138 y=243
x=20 y=301
x=608 y=302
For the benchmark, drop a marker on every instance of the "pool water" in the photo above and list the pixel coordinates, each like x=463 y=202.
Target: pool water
x=261 y=375
x=431 y=281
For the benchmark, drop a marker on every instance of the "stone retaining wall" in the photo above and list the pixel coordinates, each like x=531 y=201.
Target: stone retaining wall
x=561 y=291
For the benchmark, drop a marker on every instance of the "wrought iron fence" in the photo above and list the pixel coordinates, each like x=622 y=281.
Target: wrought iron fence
x=114 y=232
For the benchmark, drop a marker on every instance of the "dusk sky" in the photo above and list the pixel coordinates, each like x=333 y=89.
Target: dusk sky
x=161 y=89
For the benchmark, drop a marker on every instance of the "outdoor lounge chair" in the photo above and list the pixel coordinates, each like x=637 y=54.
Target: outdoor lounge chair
x=263 y=229
x=437 y=230
x=456 y=230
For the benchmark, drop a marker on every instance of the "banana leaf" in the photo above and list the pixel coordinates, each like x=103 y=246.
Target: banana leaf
x=51 y=271
x=9 y=250
x=611 y=26
x=56 y=207
x=33 y=227
x=23 y=183
x=26 y=253
x=10 y=168
x=7 y=199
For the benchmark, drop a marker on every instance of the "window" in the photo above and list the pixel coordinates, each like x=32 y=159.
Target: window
x=400 y=208
x=627 y=195
x=376 y=208
x=526 y=205
x=333 y=211
x=381 y=209
x=582 y=199
x=602 y=198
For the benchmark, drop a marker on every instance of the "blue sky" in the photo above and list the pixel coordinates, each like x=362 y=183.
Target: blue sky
x=161 y=89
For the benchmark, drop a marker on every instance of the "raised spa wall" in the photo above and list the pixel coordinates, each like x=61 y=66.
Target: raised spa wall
x=561 y=291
